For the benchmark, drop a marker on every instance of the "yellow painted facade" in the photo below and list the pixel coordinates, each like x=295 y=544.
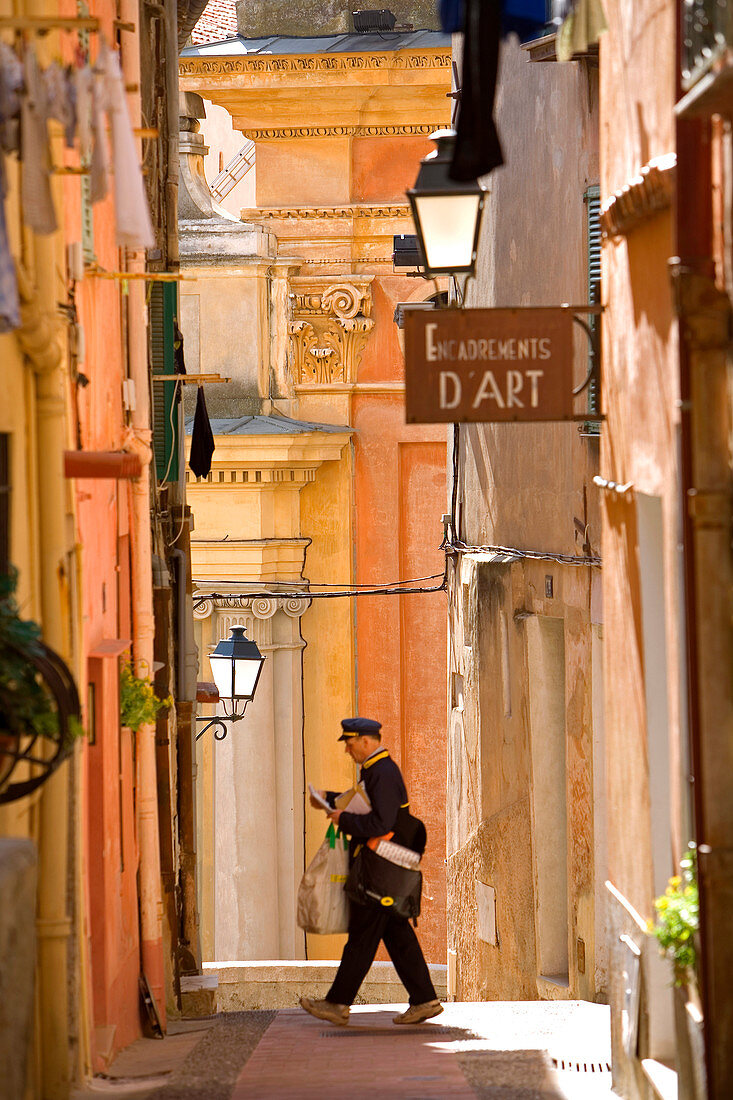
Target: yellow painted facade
x=306 y=281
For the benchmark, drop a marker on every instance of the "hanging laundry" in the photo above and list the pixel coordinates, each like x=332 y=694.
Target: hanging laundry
x=451 y=15
x=580 y=29
x=178 y=357
x=11 y=81
x=525 y=18
x=522 y=17
x=134 y=228
x=38 y=211
x=99 y=163
x=59 y=102
x=202 y=438
x=83 y=81
x=478 y=149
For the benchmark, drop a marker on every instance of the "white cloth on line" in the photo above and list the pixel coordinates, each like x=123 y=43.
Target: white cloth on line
x=134 y=228
x=35 y=193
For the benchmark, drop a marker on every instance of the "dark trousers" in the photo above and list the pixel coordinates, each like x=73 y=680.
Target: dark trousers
x=368 y=924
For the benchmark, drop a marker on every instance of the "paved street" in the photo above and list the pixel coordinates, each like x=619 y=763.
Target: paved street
x=491 y=1051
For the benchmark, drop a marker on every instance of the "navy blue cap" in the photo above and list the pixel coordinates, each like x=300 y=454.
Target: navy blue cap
x=357 y=727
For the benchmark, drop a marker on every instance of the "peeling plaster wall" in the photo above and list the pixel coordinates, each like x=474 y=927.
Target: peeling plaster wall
x=513 y=717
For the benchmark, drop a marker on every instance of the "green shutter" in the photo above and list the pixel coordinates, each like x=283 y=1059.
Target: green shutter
x=163 y=310
x=592 y=200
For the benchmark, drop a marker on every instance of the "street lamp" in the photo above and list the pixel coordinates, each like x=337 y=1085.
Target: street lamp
x=236 y=664
x=446 y=212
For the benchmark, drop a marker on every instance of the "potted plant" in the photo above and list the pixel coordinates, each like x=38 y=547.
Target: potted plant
x=38 y=701
x=139 y=705
x=677 y=930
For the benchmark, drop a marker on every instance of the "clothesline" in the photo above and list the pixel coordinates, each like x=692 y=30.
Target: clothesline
x=90 y=104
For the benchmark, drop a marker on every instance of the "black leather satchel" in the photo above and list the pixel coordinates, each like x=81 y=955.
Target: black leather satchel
x=379 y=882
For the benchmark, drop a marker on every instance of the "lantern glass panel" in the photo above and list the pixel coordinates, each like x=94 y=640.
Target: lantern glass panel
x=448 y=225
x=222 y=669
x=246 y=671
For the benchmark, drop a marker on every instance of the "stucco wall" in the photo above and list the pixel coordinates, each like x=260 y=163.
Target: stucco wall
x=514 y=716
x=641 y=446
x=261 y=18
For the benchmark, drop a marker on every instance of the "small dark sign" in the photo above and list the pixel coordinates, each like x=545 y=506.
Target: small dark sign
x=486 y=365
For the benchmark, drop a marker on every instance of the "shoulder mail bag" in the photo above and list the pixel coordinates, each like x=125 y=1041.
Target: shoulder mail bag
x=387 y=876
x=323 y=907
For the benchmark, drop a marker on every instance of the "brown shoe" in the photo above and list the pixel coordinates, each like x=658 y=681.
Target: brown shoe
x=327 y=1010
x=417 y=1013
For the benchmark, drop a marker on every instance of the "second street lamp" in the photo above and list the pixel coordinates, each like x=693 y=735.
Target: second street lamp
x=236 y=664
x=446 y=212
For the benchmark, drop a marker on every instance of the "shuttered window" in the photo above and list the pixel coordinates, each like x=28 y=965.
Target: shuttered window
x=163 y=310
x=592 y=199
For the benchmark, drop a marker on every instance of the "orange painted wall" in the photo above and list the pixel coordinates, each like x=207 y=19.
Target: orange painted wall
x=400 y=496
x=108 y=801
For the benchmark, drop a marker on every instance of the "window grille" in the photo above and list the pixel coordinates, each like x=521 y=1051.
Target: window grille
x=592 y=199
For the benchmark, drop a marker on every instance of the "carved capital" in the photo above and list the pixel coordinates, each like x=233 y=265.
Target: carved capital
x=330 y=327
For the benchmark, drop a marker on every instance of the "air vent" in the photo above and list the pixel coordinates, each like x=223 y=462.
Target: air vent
x=374 y=20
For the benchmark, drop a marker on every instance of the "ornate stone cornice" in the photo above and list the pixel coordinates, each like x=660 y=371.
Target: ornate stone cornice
x=646 y=194
x=422 y=130
x=263 y=606
x=320 y=63
x=331 y=322
x=292 y=213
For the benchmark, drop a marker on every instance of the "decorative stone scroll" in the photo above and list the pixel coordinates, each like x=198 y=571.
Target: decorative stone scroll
x=329 y=329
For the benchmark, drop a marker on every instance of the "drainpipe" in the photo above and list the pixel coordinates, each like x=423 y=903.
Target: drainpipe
x=139 y=440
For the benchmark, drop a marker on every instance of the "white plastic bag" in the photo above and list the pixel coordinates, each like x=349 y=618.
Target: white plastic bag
x=322 y=903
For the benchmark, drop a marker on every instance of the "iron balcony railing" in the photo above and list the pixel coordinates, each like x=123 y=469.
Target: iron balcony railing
x=707 y=32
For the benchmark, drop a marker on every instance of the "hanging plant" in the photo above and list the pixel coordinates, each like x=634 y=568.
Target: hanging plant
x=38 y=699
x=139 y=705
x=678 y=918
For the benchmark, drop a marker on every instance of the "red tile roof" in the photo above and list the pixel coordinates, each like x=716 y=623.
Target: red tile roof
x=218 y=21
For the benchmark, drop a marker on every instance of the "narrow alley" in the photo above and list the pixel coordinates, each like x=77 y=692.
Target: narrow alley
x=498 y=1051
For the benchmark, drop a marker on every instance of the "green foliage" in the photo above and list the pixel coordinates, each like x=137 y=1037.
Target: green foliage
x=139 y=705
x=26 y=708
x=678 y=917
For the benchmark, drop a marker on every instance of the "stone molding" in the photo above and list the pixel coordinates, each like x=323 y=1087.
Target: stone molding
x=286 y=132
x=648 y=193
x=323 y=63
x=285 y=213
x=291 y=477
x=330 y=326
x=259 y=607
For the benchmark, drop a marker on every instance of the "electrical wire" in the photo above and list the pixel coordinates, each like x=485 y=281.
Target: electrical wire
x=233 y=598
x=459 y=547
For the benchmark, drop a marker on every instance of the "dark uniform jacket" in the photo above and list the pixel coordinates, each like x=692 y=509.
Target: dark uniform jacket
x=390 y=807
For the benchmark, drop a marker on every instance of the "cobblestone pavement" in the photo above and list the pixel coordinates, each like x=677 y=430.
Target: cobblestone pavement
x=489 y=1051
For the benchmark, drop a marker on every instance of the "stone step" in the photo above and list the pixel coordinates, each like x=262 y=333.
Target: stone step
x=246 y=986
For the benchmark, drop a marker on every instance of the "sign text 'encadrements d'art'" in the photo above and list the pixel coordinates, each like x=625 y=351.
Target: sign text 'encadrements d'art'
x=487 y=365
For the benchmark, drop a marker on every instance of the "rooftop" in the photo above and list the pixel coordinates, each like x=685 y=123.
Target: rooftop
x=266 y=425
x=239 y=46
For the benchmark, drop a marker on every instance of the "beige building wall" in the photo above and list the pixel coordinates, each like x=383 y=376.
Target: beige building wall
x=525 y=790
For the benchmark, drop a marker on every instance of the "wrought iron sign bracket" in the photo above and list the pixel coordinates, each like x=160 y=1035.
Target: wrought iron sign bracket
x=594 y=371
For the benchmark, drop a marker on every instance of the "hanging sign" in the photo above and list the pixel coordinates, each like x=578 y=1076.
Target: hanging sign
x=487 y=365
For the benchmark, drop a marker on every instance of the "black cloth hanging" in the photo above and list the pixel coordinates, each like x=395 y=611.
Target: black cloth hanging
x=478 y=149
x=202 y=438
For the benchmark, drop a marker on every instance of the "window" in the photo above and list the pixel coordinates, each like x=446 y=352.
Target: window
x=166 y=406
x=592 y=199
